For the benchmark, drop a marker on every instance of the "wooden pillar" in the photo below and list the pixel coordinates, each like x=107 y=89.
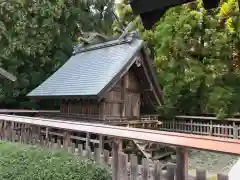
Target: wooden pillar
x=182 y=164
x=87 y=140
x=116 y=149
x=66 y=140
x=124 y=93
x=101 y=143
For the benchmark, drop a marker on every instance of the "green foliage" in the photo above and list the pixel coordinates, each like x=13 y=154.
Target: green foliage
x=19 y=162
x=37 y=37
x=197 y=56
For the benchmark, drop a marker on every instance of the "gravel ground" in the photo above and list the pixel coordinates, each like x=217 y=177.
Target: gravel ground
x=212 y=162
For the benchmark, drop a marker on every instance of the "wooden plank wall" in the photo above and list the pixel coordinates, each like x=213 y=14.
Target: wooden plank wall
x=123 y=99
x=86 y=107
x=122 y=166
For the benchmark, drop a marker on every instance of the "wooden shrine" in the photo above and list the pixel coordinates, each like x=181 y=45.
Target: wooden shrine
x=112 y=82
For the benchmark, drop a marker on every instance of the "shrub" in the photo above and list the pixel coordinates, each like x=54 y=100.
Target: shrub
x=20 y=162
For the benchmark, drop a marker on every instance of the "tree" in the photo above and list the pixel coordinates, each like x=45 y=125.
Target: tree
x=37 y=36
x=196 y=54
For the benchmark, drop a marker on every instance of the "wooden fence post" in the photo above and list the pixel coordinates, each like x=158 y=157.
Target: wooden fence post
x=182 y=164
x=170 y=172
x=211 y=128
x=235 y=130
x=106 y=157
x=87 y=142
x=145 y=169
x=191 y=126
x=97 y=155
x=134 y=167
x=222 y=177
x=201 y=175
x=123 y=160
x=8 y=130
x=115 y=161
x=66 y=140
x=157 y=171
x=101 y=143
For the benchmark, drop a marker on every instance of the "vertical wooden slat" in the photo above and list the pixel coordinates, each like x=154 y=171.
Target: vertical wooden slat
x=211 y=128
x=1 y=130
x=46 y=133
x=47 y=141
x=59 y=143
x=73 y=147
x=123 y=173
x=134 y=167
x=106 y=156
x=222 y=177
x=80 y=149
x=235 y=134
x=38 y=134
x=101 y=143
x=52 y=142
x=182 y=164
x=87 y=143
x=191 y=126
x=170 y=172
x=13 y=132
x=115 y=165
x=97 y=154
x=201 y=175
x=7 y=130
x=4 y=134
x=157 y=171
x=88 y=152
x=24 y=135
x=66 y=140
x=42 y=142
x=145 y=169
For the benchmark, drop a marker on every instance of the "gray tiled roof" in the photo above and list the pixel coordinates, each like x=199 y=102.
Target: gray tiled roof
x=88 y=72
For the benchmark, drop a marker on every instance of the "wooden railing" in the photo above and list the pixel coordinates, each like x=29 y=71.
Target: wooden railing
x=227 y=128
x=47 y=134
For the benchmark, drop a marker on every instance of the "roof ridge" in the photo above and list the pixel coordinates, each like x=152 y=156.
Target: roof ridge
x=113 y=42
x=80 y=49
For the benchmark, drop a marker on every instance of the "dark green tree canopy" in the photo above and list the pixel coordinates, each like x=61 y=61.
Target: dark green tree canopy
x=37 y=36
x=196 y=53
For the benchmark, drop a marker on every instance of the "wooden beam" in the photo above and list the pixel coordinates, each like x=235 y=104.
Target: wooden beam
x=115 y=101
x=124 y=93
x=150 y=82
x=119 y=89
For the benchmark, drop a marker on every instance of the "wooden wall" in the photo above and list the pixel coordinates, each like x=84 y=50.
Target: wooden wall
x=84 y=107
x=123 y=99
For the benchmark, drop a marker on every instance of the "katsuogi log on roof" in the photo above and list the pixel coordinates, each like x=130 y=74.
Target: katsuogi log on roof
x=99 y=72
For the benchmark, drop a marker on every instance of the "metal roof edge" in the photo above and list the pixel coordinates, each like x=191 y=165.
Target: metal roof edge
x=64 y=97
